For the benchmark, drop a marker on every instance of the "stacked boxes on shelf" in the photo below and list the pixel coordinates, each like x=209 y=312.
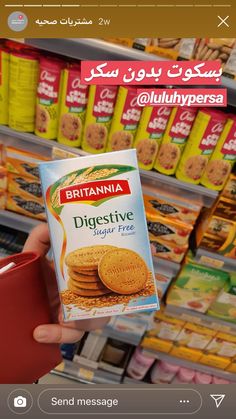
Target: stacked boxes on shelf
x=170 y=221
x=192 y=342
x=217 y=231
x=24 y=189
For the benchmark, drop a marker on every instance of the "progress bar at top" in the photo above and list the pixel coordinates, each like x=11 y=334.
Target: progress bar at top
x=118 y=5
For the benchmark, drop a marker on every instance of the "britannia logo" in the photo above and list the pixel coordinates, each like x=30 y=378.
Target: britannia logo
x=94 y=191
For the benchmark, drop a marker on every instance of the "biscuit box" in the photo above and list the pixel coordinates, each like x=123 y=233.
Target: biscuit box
x=229 y=190
x=20 y=184
x=222 y=158
x=48 y=97
x=99 y=235
x=21 y=203
x=74 y=97
x=100 y=109
x=195 y=336
x=149 y=134
x=168 y=230
x=174 y=140
x=224 y=306
x=196 y=287
x=23 y=78
x=22 y=162
x=170 y=208
x=4 y=85
x=203 y=138
x=126 y=118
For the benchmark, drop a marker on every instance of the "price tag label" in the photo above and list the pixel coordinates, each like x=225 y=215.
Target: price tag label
x=60 y=367
x=86 y=374
x=215 y=263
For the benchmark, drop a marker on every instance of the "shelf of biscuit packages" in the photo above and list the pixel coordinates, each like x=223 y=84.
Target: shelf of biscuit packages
x=161 y=356
x=202 y=195
x=17 y=221
x=96 y=49
x=201 y=319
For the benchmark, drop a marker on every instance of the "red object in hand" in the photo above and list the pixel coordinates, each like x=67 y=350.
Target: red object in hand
x=24 y=305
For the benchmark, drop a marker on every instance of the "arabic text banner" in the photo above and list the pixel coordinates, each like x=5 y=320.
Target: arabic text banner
x=151 y=72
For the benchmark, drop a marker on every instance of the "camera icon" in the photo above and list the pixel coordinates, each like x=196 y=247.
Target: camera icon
x=20 y=401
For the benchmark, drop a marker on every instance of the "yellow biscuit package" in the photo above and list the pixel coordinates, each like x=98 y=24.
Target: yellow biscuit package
x=73 y=105
x=167 y=250
x=203 y=138
x=195 y=336
x=21 y=203
x=223 y=344
x=168 y=230
x=23 y=80
x=18 y=184
x=99 y=236
x=187 y=353
x=229 y=190
x=100 y=109
x=169 y=207
x=222 y=158
x=48 y=97
x=22 y=162
x=174 y=139
x=126 y=118
x=149 y=134
x=3 y=199
x=4 y=85
x=3 y=177
x=215 y=361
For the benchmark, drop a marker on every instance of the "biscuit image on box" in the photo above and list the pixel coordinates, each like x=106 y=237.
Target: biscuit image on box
x=42 y=119
x=217 y=171
x=96 y=135
x=121 y=140
x=168 y=155
x=70 y=126
x=123 y=271
x=194 y=166
x=146 y=151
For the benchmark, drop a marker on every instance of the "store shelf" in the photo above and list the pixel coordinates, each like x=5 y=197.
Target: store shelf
x=199 y=318
x=132 y=381
x=149 y=179
x=24 y=140
x=193 y=193
x=166 y=267
x=79 y=372
x=96 y=49
x=188 y=364
x=215 y=260
x=17 y=221
x=90 y=49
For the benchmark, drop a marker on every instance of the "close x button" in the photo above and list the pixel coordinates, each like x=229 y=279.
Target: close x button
x=223 y=21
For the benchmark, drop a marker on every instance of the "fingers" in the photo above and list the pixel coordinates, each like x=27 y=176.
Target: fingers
x=38 y=240
x=55 y=333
